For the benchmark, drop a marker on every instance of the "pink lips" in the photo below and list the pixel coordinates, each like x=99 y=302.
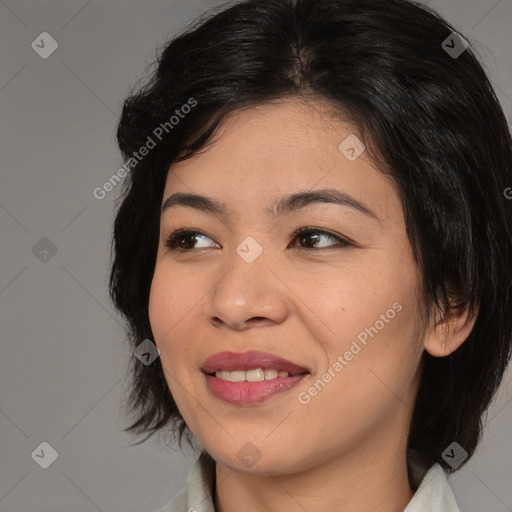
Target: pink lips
x=231 y=361
x=248 y=393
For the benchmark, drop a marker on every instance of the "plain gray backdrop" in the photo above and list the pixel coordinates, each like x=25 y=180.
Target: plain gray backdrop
x=63 y=358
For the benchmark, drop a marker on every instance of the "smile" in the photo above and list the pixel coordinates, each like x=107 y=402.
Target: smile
x=250 y=377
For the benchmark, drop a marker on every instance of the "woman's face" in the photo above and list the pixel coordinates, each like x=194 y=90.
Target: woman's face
x=345 y=310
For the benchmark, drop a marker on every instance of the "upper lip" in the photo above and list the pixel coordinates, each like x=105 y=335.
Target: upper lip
x=231 y=361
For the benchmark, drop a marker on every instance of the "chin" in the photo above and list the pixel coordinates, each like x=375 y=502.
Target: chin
x=252 y=458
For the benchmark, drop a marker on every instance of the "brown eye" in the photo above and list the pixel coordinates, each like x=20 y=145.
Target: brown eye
x=312 y=237
x=185 y=240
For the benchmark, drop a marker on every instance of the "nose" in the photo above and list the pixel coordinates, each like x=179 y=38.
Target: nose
x=248 y=295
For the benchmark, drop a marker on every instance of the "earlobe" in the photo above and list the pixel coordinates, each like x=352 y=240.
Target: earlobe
x=445 y=336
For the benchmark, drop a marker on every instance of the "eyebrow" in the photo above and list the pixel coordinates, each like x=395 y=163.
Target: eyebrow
x=281 y=207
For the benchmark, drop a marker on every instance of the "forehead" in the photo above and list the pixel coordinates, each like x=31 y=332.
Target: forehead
x=270 y=150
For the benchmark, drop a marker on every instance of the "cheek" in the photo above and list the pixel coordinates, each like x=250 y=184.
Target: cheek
x=170 y=305
x=160 y=304
x=374 y=384
x=172 y=301
x=369 y=317
x=380 y=356
x=359 y=300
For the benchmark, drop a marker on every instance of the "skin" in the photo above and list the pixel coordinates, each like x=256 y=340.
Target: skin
x=346 y=448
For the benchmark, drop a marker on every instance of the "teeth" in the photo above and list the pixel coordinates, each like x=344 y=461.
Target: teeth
x=255 y=375
x=237 y=376
x=224 y=375
x=271 y=374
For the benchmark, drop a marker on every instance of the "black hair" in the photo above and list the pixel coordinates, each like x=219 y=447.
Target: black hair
x=429 y=119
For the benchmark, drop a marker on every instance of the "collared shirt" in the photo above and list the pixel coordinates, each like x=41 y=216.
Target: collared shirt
x=432 y=491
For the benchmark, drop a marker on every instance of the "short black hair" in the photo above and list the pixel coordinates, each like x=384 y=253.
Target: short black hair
x=429 y=119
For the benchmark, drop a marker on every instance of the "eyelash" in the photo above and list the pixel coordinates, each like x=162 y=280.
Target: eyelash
x=171 y=242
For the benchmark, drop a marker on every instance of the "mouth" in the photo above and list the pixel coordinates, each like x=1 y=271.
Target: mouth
x=250 y=377
x=253 y=375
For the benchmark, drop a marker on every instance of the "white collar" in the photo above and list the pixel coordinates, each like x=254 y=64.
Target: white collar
x=434 y=493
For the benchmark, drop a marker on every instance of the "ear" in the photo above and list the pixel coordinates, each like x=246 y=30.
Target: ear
x=445 y=335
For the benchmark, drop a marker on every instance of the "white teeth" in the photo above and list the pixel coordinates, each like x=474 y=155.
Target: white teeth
x=237 y=376
x=255 y=375
x=271 y=374
x=224 y=375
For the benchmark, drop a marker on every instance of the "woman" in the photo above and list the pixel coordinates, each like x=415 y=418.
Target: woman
x=315 y=235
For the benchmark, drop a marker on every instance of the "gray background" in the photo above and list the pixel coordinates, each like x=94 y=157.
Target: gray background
x=63 y=359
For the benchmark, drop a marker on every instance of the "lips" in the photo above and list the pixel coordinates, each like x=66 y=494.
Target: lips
x=232 y=361
x=245 y=393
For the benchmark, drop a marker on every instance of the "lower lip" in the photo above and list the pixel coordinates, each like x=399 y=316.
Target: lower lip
x=248 y=393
